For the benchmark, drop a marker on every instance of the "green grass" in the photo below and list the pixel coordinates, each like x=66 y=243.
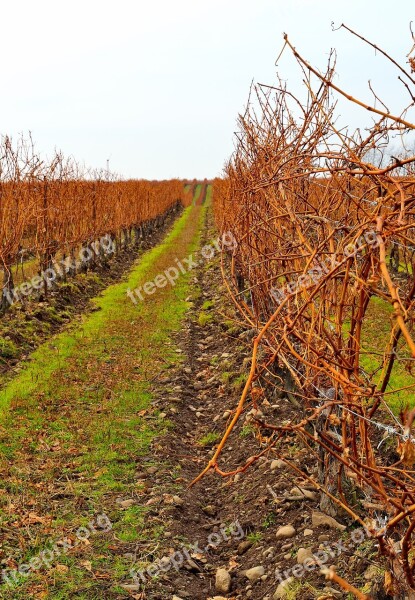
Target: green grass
x=205 y=318
x=375 y=336
x=8 y=349
x=239 y=382
x=207 y=305
x=246 y=431
x=209 y=193
x=209 y=439
x=254 y=537
x=197 y=192
x=74 y=420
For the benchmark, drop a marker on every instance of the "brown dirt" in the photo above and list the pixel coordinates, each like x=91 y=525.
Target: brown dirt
x=195 y=396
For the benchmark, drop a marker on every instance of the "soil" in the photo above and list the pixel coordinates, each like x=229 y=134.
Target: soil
x=231 y=522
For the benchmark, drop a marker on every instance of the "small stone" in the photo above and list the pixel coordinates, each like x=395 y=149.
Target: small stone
x=277 y=464
x=154 y=500
x=308 y=532
x=165 y=562
x=191 y=565
x=226 y=414
x=320 y=519
x=281 y=591
x=285 y=547
x=269 y=551
x=303 y=554
x=244 y=546
x=302 y=492
x=176 y=598
x=131 y=587
x=209 y=510
x=287 y=531
x=222 y=581
x=255 y=573
x=254 y=413
x=126 y=503
x=332 y=592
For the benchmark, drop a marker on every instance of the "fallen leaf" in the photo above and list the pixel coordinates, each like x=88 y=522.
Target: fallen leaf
x=100 y=472
x=334 y=420
x=406 y=451
x=389 y=584
x=61 y=568
x=33 y=518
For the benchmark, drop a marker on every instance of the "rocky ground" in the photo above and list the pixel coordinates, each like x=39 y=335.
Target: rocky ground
x=92 y=438
x=258 y=534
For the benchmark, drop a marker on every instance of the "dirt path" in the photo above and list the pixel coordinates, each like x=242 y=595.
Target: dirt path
x=75 y=425
x=104 y=429
x=226 y=528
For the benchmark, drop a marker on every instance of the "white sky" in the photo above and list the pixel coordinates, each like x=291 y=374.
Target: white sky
x=157 y=85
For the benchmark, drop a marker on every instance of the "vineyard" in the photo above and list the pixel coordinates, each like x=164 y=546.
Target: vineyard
x=54 y=211
x=207 y=385
x=324 y=273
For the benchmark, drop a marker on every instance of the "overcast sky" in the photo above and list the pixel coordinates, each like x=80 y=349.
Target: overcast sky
x=156 y=85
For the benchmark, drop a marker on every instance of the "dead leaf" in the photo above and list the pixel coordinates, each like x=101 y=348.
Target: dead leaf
x=406 y=451
x=100 y=472
x=61 y=568
x=33 y=518
x=334 y=420
x=389 y=584
x=197 y=555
